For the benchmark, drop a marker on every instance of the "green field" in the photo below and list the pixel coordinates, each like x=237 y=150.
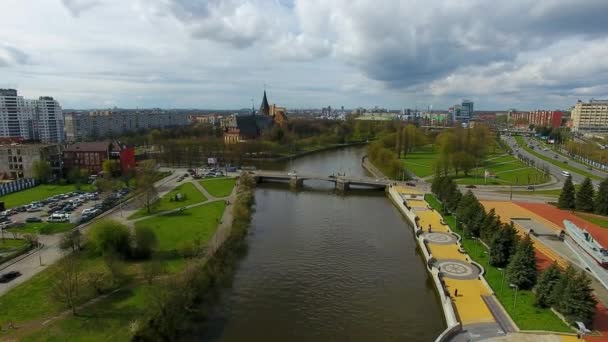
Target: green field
x=194 y=223
x=45 y=228
x=38 y=193
x=221 y=187
x=9 y=245
x=601 y=221
x=191 y=193
x=522 y=144
x=508 y=169
x=524 y=314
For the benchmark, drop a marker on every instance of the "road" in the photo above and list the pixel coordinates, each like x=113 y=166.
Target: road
x=51 y=253
x=553 y=169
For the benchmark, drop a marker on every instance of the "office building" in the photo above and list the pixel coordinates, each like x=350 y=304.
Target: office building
x=91 y=155
x=590 y=116
x=544 y=118
x=462 y=112
x=101 y=124
x=40 y=120
x=17 y=159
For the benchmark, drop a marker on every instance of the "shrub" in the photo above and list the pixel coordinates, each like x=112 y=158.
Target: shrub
x=110 y=237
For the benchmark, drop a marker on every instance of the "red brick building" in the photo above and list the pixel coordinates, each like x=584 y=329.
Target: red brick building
x=546 y=118
x=91 y=155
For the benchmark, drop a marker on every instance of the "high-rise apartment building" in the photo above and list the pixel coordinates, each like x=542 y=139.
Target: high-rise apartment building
x=107 y=123
x=590 y=116
x=40 y=119
x=462 y=112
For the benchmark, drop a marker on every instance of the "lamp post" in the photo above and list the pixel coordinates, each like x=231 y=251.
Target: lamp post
x=502 y=282
x=513 y=286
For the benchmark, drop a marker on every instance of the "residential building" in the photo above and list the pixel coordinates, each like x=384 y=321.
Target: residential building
x=590 y=116
x=81 y=126
x=210 y=119
x=545 y=118
x=17 y=159
x=40 y=120
x=91 y=155
x=242 y=128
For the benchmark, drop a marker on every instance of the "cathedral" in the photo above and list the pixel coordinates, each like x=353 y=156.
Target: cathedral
x=250 y=127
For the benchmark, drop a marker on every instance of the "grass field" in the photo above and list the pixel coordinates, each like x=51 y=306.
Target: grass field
x=193 y=195
x=221 y=187
x=508 y=169
x=525 y=314
x=45 y=228
x=601 y=221
x=522 y=144
x=8 y=245
x=188 y=225
x=38 y=193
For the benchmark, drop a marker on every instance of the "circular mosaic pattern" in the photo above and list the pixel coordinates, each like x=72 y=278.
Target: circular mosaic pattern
x=457 y=269
x=440 y=238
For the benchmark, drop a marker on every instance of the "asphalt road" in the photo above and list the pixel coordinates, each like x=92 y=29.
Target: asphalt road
x=553 y=169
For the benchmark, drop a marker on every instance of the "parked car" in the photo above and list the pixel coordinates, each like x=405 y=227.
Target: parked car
x=8 y=276
x=293 y=173
x=33 y=219
x=57 y=218
x=471 y=186
x=530 y=187
x=410 y=183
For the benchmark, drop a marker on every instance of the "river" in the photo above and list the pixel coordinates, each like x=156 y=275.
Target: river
x=325 y=267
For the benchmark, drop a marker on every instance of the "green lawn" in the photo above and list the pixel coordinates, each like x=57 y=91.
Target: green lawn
x=600 y=221
x=175 y=228
x=9 y=245
x=38 y=193
x=46 y=228
x=191 y=193
x=522 y=144
x=221 y=187
x=524 y=313
x=508 y=169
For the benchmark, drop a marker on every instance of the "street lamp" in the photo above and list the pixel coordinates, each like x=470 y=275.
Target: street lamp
x=502 y=282
x=514 y=286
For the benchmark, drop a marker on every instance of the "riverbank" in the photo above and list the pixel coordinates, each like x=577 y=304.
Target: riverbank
x=306 y=153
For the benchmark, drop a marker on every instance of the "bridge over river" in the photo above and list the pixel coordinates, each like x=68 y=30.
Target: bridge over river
x=342 y=182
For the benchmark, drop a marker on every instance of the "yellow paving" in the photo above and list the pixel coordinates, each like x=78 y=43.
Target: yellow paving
x=508 y=210
x=446 y=251
x=407 y=190
x=433 y=218
x=469 y=304
x=416 y=203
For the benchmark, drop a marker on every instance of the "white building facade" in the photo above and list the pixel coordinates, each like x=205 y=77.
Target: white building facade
x=591 y=117
x=40 y=119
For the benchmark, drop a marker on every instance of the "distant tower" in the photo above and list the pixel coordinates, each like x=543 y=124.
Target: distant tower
x=264 y=107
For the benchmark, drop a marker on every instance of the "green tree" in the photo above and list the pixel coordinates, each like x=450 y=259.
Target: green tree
x=110 y=237
x=584 y=196
x=547 y=281
x=111 y=168
x=559 y=290
x=502 y=245
x=578 y=302
x=42 y=170
x=146 y=177
x=490 y=225
x=145 y=242
x=567 y=196
x=521 y=270
x=78 y=177
x=601 y=198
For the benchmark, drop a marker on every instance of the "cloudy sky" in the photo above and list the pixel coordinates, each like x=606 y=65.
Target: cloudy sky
x=309 y=53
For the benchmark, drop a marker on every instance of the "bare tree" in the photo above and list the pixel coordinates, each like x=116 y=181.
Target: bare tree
x=146 y=177
x=152 y=270
x=71 y=240
x=96 y=280
x=67 y=283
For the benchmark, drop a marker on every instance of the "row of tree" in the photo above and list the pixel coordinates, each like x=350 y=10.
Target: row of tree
x=508 y=250
x=586 y=198
x=463 y=149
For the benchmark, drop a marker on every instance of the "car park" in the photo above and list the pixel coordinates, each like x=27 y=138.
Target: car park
x=9 y=276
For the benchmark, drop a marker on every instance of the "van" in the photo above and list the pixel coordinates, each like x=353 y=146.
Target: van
x=565 y=173
x=55 y=218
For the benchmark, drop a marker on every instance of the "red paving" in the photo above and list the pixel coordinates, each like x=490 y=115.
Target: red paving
x=542 y=260
x=557 y=216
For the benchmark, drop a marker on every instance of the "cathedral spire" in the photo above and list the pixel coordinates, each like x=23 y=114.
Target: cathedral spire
x=264 y=107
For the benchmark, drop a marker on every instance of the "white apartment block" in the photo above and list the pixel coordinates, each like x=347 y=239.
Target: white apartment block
x=590 y=116
x=40 y=119
x=107 y=123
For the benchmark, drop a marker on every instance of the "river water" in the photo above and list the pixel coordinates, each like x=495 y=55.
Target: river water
x=325 y=267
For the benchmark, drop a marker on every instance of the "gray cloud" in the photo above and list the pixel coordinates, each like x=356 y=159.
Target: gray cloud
x=76 y=7
x=12 y=56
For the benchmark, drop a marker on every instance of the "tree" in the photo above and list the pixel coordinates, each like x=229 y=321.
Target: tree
x=545 y=285
x=71 y=240
x=152 y=270
x=67 y=282
x=111 y=168
x=559 y=290
x=521 y=270
x=146 y=177
x=96 y=280
x=601 y=198
x=145 y=242
x=584 y=196
x=567 y=196
x=110 y=237
x=490 y=225
x=42 y=170
x=502 y=245
x=578 y=303
x=78 y=177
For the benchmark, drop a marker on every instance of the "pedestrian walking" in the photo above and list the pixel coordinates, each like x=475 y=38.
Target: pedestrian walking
x=430 y=228
x=456 y=293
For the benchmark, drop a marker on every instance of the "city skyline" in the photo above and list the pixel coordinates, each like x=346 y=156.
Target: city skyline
x=308 y=54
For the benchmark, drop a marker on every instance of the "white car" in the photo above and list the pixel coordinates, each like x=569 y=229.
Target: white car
x=565 y=173
x=56 y=218
x=292 y=173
